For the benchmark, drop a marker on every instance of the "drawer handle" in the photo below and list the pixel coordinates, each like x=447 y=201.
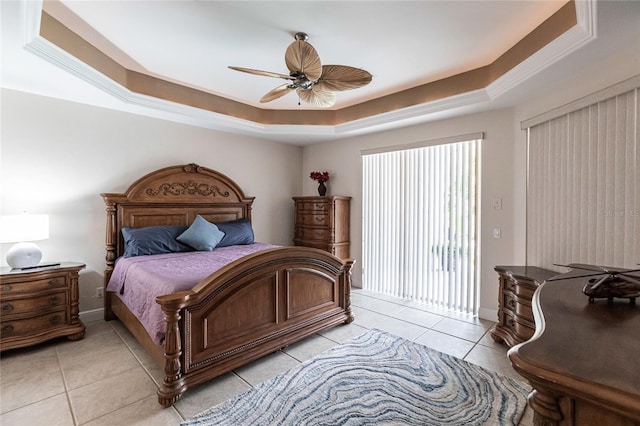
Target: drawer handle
x=53 y=282
x=319 y=218
x=511 y=303
x=511 y=323
x=54 y=300
x=6 y=288
x=7 y=307
x=55 y=319
x=7 y=329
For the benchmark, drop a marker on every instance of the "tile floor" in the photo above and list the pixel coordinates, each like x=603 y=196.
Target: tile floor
x=108 y=379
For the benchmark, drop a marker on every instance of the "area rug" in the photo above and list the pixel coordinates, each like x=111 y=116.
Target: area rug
x=376 y=378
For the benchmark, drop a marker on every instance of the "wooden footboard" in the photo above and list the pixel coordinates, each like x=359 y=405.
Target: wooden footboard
x=253 y=307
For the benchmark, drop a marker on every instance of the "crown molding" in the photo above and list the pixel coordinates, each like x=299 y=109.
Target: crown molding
x=565 y=44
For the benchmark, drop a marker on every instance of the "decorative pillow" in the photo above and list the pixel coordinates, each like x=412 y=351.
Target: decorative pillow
x=201 y=235
x=153 y=240
x=236 y=232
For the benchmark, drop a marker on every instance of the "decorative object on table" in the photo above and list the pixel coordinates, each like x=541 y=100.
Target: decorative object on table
x=607 y=282
x=377 y=377
x=313 y=82
x=23 y=229
x=321 y=178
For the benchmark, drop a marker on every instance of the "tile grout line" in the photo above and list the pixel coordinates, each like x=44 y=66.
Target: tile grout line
x=74 y=418
x=144 y=368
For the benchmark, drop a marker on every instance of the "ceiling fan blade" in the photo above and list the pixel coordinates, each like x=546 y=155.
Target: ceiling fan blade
x=317 y=97
x=276 y=93
x=302 y=57
x=342 y=77
x=263 y=73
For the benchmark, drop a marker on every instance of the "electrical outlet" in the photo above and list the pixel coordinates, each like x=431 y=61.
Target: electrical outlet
x=497 y=204
x=99 y=292
x=497 y=233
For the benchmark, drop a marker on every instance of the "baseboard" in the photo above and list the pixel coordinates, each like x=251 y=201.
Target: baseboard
x=92 y=315
x=488 y=314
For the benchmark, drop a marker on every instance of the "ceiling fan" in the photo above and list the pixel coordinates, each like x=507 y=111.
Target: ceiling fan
x=313 y=82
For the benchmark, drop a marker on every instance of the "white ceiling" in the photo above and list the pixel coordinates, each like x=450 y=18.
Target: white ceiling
x=402 y=43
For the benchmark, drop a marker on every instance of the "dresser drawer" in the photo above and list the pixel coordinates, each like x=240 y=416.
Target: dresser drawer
x=10 y=307
x=21 y=287
x=313 y=219
x=322 y=234
x=33 y=325
x=314 y=206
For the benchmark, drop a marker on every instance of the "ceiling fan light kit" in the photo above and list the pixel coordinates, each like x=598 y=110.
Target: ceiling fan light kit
x=314 y=83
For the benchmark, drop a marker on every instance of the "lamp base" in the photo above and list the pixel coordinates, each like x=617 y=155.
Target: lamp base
x=24 y=255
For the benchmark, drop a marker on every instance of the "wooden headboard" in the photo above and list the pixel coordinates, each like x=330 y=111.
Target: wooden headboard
x=172 y=196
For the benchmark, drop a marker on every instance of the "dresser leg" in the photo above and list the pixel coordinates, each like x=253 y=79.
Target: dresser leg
x=546 y=409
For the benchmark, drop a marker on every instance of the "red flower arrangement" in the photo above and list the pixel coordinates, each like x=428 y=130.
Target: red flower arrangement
x=320 y=176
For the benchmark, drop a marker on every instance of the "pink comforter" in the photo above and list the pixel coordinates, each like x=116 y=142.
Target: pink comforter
x=132 y=277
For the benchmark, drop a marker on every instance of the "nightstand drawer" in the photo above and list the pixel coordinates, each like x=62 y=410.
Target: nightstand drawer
x=21 y=287
x=34 y=304
x=34 y=325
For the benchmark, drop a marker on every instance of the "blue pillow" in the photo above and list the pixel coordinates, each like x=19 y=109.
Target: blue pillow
x=236 y=232
x=201 y=235
x=153 y=240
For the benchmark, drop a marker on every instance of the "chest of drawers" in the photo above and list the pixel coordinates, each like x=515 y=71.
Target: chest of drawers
x=39 y=304
x=323 y=223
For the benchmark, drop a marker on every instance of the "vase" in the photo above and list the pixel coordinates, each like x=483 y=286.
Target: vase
x=322 y=189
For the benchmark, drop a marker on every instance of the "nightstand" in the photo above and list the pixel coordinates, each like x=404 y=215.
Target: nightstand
x=515 y=314
x=39 y=304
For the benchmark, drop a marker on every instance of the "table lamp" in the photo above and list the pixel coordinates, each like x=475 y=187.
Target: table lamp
x=23 y=229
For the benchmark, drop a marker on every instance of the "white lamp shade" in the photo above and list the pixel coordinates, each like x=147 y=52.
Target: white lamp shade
x=24 y=227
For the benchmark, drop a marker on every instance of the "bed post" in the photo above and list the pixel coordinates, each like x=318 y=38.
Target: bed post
x=173 y=385
x=348 y=264
x=111 y=237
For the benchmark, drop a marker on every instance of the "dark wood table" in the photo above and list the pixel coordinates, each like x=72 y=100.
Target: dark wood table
x=583 y=361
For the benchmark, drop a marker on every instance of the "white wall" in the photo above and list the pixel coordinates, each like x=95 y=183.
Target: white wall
x=57 y=157
x=343 y=160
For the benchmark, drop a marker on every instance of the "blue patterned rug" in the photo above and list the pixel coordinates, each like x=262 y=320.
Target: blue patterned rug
x=376 y=378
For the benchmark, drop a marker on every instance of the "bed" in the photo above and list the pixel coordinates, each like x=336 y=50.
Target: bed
x=248 y=308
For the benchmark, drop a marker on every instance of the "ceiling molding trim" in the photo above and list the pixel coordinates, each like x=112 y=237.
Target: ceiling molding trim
x=31 y=13
x=555 y=50
x=567 y=43
x=413 y=112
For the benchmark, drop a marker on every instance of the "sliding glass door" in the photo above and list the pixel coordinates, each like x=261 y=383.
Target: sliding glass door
x=420 y=223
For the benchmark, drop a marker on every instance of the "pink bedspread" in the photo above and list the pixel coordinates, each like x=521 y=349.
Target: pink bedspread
x=169 y=273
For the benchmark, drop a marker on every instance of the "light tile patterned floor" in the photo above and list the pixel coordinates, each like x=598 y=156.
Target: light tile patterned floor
x=107 y=378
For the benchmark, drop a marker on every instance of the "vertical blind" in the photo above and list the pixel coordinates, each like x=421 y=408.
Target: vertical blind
x=420 y=224
x=583 y=203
